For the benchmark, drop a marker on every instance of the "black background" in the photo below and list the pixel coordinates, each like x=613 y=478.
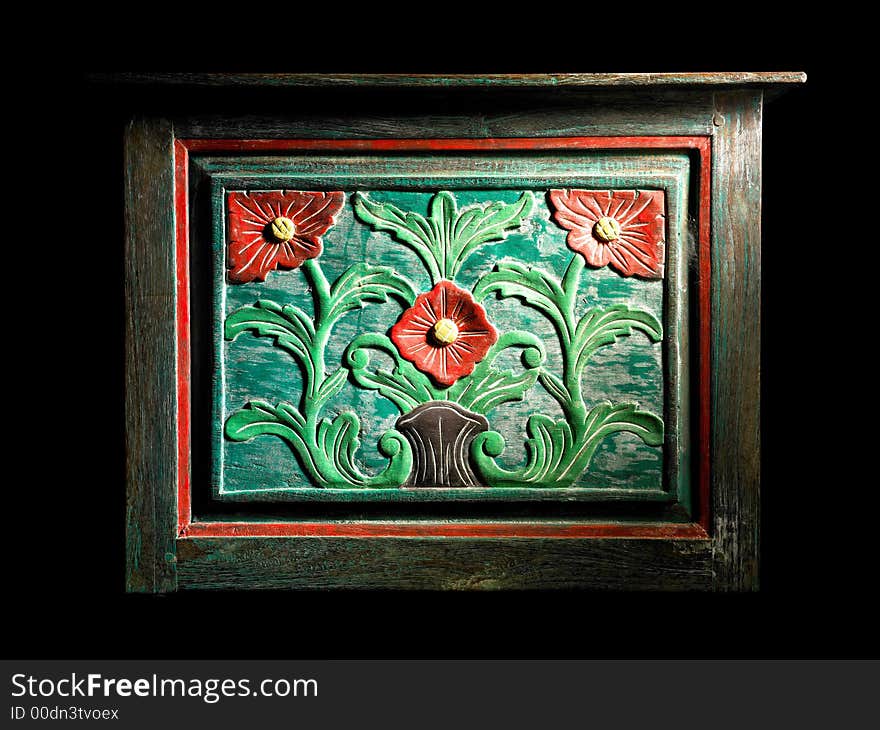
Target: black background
x=64 y=587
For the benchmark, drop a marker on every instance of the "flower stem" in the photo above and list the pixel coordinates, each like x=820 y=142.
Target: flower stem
x=323 y=324
x=570 y=285
x=571 y=282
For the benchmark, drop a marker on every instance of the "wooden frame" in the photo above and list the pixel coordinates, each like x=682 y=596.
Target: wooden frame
x=215 y=528
x=167 y=550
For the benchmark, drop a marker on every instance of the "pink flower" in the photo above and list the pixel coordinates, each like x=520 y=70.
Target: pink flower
x=276 y=230
x=623 y=229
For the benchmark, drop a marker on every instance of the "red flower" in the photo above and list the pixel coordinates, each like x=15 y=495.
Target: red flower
x=621 y=228
x=445 y=333
x=276 y=230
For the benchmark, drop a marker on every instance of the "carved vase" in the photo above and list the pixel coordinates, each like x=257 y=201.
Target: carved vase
x=441 y=434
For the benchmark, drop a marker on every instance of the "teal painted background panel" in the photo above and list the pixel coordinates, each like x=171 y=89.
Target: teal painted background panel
x=630 y=370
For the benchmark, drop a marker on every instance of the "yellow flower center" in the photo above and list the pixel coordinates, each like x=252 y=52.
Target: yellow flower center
x=607 y=229
x=445 y=331
x=282 y=228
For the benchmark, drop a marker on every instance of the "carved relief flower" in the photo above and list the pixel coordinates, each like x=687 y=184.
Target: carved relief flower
x=276 y=230
x=445 y=333
x=623 y=229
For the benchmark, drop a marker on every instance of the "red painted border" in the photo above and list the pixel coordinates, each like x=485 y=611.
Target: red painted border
x=188 y=528
x=668 y=531
x=434 y=145
x=181 y=224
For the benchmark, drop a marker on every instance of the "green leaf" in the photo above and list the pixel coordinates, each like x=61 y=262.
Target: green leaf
x=442 y=211
x=559 y=452
x=364 y=282
x=606 y=419
x=476 y=226
x=555 y=387
x=601 y=327
x=327 y=448
x=289 y=413
x=533 y=286
x=487 y=387
x=336 y=446
x=497 y=387
x=328 y=454
x=331 y=386
x=259 y=417
x=289 y=326
x=602 y=421
x=548 y=445
x=338 y=441
x=446 y=238
x=405 y=386
x=409 y=228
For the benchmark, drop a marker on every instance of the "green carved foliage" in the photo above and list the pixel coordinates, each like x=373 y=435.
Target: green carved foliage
x=290 y=327
x=446 y=237
x=294 y=331
x=330 y=387
x=481 y=391
x=560 y=451
x=486 y=390
x=542 y=291
x=404 y=385
x=326 y=448
x=488 y=387
x=407 y=227
x=260 y=417
x=601 y=327
x=337 y=443
x=362 y=283
x=475 y=226
x=533 y=286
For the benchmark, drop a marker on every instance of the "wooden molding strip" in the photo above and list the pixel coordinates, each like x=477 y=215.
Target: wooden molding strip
x=564 y=80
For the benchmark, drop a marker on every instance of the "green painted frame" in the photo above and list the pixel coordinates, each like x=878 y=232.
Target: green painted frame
x=725 y=108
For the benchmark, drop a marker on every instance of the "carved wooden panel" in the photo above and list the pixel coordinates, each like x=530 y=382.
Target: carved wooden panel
x=442 y=350
x=511 y=343
x=498 y=339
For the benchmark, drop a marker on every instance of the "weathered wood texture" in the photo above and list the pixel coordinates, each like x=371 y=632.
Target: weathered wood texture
x=586 y=80
x=736 y=345
x=151 y=387
x=728 y=561
x=437 y=114
x=441 y=564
